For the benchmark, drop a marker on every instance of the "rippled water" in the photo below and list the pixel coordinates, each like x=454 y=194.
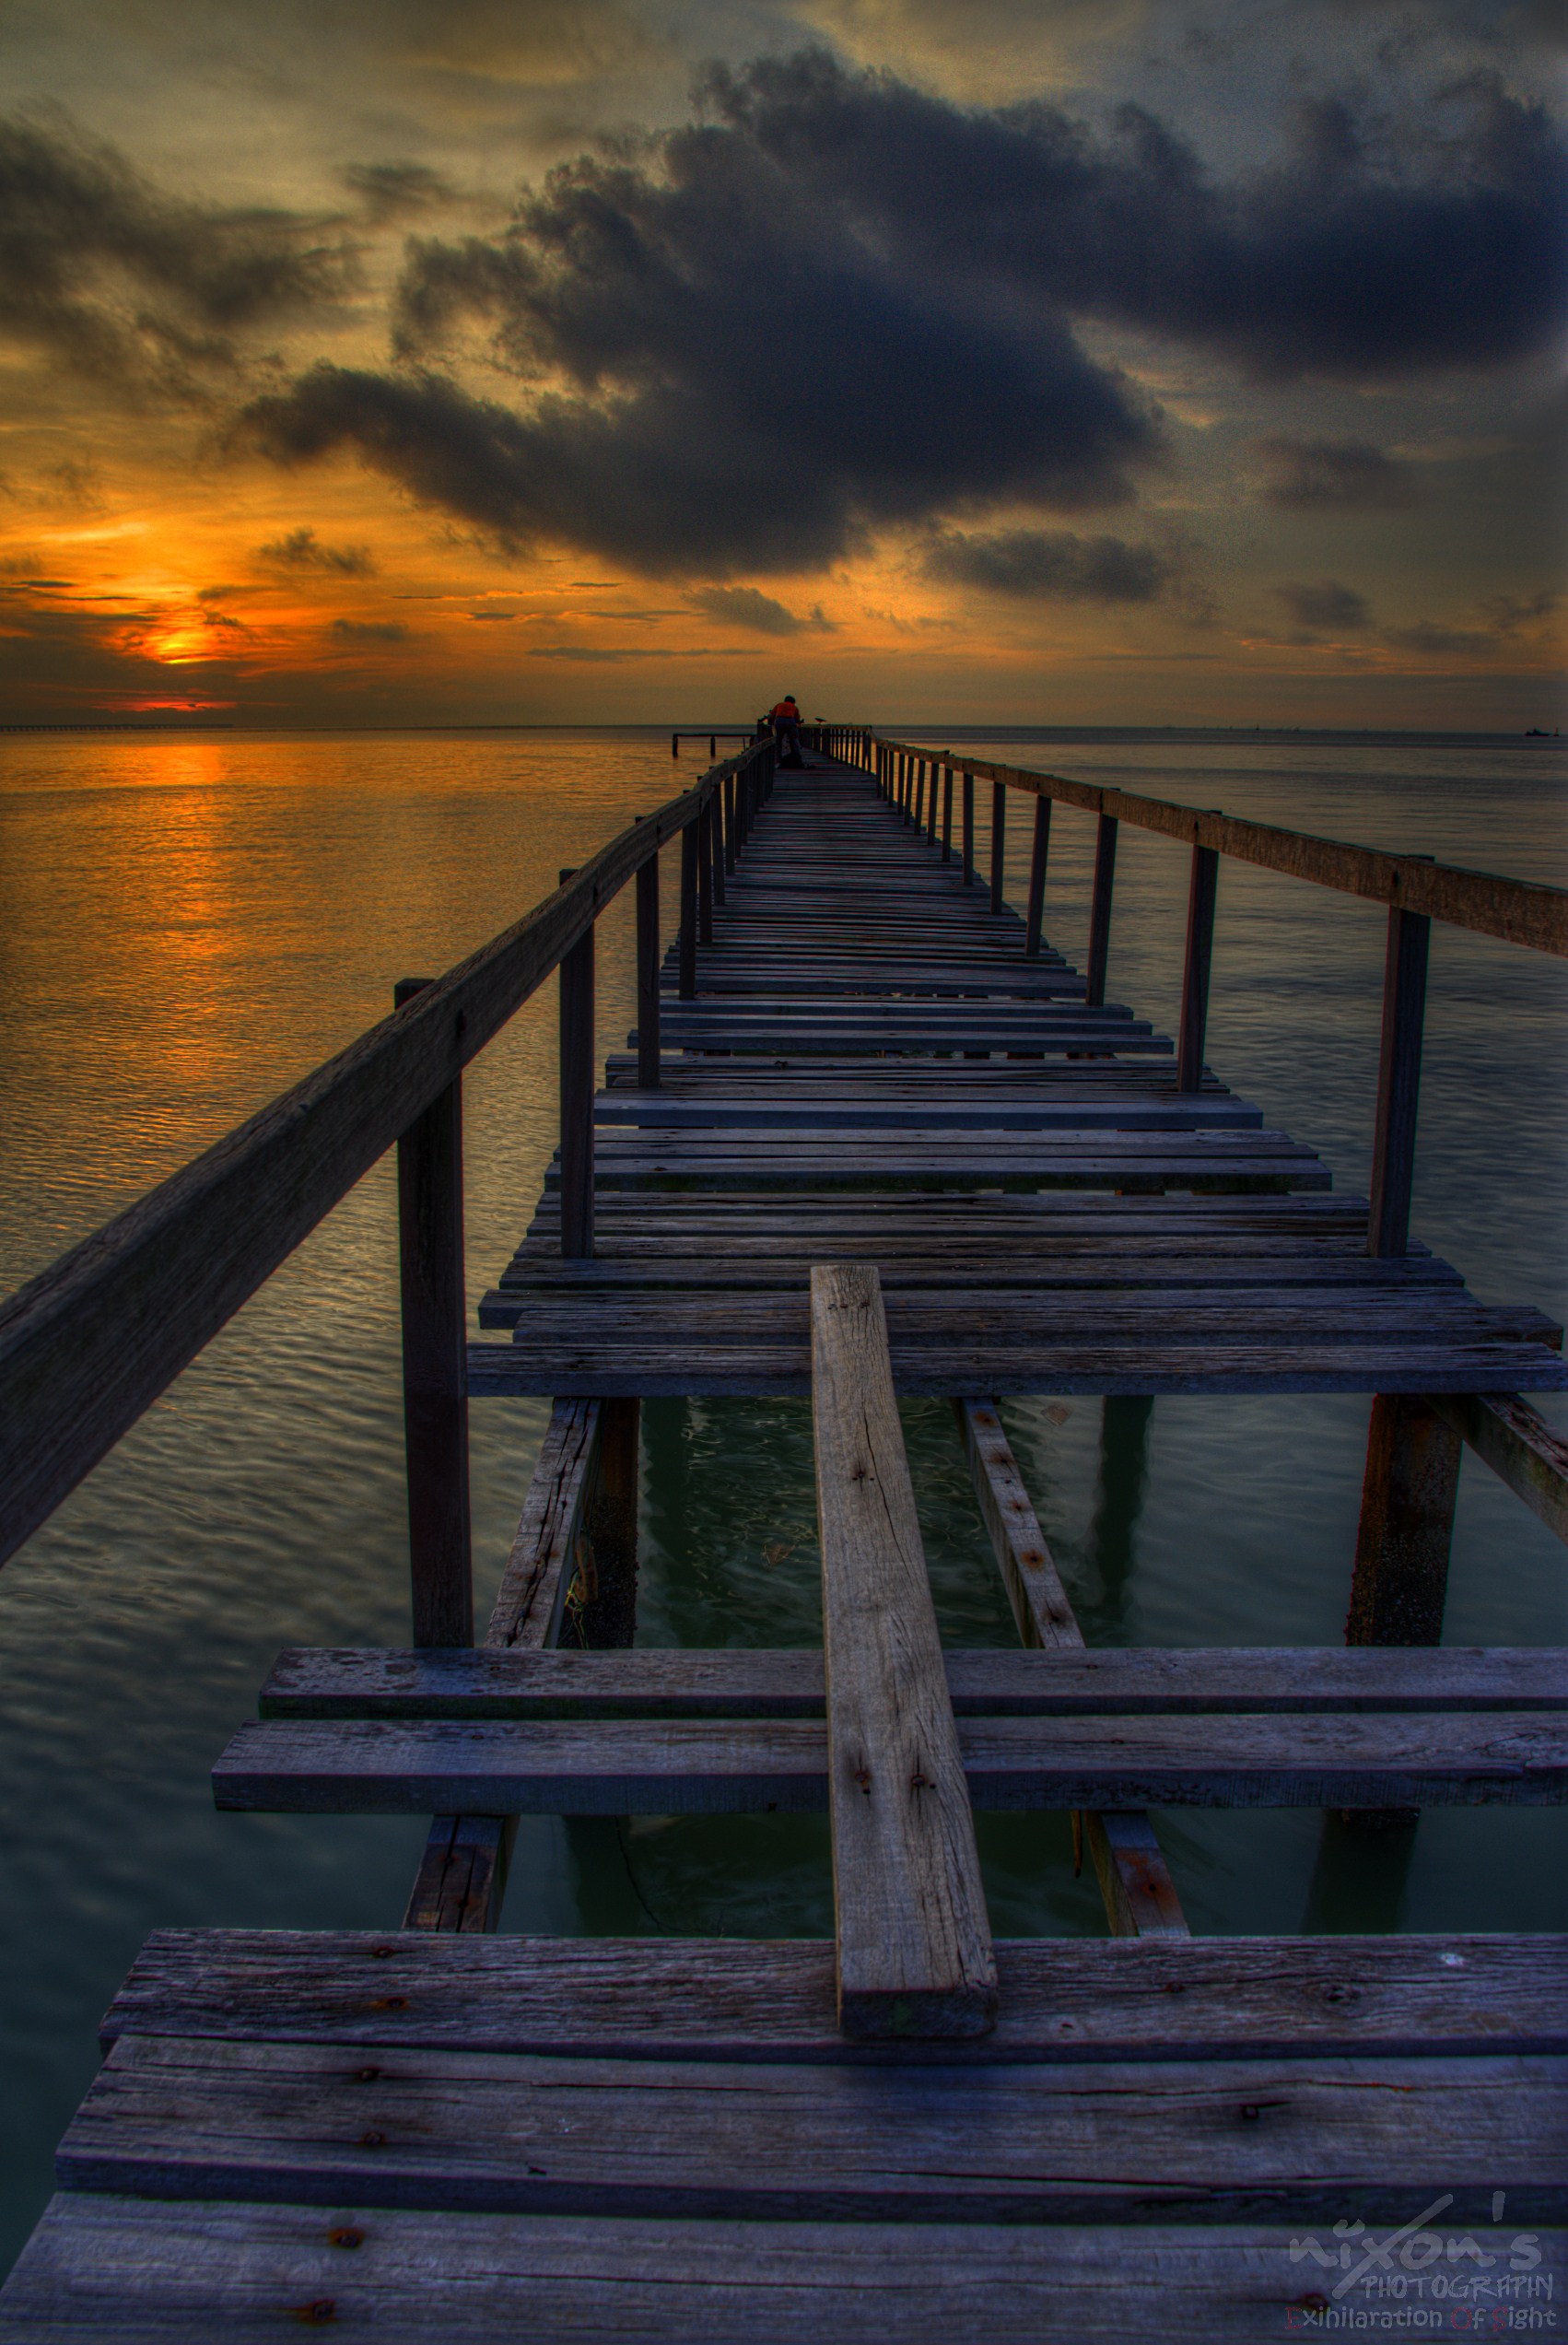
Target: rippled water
x=188 y=923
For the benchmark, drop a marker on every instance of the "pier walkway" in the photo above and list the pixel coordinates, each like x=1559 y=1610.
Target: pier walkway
x=870 y=1136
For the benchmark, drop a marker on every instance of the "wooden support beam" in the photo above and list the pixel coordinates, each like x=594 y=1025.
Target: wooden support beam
x=717 y=845
x=999 y=842
x=1100 y=911
x=914 y=1941
x=1034 y=921
x=947 y=813
x=648 y=958
x=1519 y=1445
x=1195 y=971
x=919 y=793
x=462 y=1878
x=704 y=829
x=1407 y=1523
x=1400 y=1582
x=576 y=1088
x=731 y=795
x=606 y=1619
x=1135 y=1881
x=1398 y=1082
x=968 y=830
x=687 y=941
x=435 y=1364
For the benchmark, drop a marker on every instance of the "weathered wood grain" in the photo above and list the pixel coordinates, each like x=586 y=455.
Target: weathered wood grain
x=913 y=1937
x=1067 y=2142
x=1065 y=1680
x=1135 y=1881
x=1157 y=1997
x=110 y=2271
x=656 y=1766
x=1517 y=1442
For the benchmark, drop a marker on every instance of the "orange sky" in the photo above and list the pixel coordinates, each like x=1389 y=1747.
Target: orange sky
x=153 y=557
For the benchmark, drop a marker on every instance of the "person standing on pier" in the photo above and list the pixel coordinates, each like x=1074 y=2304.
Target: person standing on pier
x=786 y=720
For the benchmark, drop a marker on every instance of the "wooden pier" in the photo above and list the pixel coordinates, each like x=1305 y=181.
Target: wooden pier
x=870 y=1136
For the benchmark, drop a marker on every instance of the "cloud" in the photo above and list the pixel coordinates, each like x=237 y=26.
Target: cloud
x=393 y=191
x=835 y=304
x=1037 y=566
x=369 y=631
x=744 y=607
x=134 y=288
x=1333 y=476
x=1327 y=604
x=1367 y=256
x=302 y=550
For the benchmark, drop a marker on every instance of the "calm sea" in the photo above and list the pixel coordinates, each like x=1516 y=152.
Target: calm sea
x=187 y=923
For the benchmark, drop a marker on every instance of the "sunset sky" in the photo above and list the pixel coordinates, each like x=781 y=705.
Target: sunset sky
x=1000 y=361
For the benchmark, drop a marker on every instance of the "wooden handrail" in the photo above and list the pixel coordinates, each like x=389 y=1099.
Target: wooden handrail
x=1520 y=912
x=88 y=1345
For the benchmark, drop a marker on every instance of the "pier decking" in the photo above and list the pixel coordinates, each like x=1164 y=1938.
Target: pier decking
x=871 y=1136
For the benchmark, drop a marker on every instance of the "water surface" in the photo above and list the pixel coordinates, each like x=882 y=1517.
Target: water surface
x=188 y=923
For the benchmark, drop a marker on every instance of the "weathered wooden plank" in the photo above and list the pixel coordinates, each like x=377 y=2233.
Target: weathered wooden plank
x=1157 y=1997
x=1064 y=1679
x=649 y=1368
x=1135 y=1881
x=104 y=2270
x=913 y=1937
x=528 y=1603
x=1070 y=2142
x=462 y=1878
x=1517 y=1442
x=653 y=1766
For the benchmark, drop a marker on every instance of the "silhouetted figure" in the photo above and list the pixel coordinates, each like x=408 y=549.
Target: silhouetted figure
x=786 y=716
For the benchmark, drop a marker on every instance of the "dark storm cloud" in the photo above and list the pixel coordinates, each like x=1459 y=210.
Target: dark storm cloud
x=393 y=191
x=1442 y=243
x=1049 y=565
x=301 y=549
x=1333 y=477
x=368 y=631
x=837 y=303
x=132 y=288
x=744 y=607
x=1327 y=604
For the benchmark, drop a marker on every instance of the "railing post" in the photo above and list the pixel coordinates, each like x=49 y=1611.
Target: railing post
x=688 y=912
x=705 y=875
x=647 y=975
x=1195 y=972
x=947 y=813
x=675 y=745
x=732 y=796
x=576 y=1099
x=919 y=793
x=1100 y=911
x=435 y=1363
x=999 y=841
x=717 y=845
x=968 y=830
x=1398 y=1082
x=1037 y=859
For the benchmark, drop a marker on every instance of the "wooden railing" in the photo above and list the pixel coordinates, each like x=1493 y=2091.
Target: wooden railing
x=89 y=1344
x=1416 y=888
